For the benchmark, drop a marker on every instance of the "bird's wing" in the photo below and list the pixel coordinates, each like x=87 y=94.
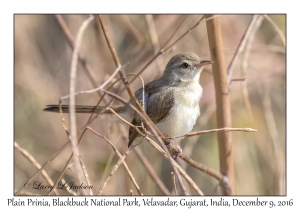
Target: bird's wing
x=133 y=134
x=159 y=105
x=158 y=101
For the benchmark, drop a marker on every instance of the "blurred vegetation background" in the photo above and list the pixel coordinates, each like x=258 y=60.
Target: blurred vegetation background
x=42 y=65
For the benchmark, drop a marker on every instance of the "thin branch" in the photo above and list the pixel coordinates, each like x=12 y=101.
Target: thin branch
x=195 y=133
x=72 y=116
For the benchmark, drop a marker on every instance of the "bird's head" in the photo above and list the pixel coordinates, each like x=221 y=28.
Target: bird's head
x=185 y=67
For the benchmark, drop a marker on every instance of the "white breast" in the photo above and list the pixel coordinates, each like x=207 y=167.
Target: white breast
x=184 y=113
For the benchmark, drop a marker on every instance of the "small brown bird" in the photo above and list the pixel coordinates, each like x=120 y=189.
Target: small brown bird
x=171 y=101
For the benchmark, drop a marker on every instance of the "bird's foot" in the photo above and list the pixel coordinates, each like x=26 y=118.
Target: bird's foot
x=177 y=153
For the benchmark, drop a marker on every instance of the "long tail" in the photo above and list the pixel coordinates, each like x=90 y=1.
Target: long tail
x=81 y=109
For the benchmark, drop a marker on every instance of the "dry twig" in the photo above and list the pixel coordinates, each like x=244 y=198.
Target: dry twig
x=216 y=130
x=72 y=116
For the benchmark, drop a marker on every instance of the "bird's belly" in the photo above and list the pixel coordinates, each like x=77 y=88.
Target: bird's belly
x=180 y=121
x=184 y=113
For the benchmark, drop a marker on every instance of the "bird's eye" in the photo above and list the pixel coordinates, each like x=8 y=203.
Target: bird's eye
x=185 y=65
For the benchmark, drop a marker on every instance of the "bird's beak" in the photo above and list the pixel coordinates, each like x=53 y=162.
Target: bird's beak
x=204 y=63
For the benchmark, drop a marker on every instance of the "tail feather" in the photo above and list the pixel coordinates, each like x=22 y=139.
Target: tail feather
x=83 y=109
x=78 y=108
